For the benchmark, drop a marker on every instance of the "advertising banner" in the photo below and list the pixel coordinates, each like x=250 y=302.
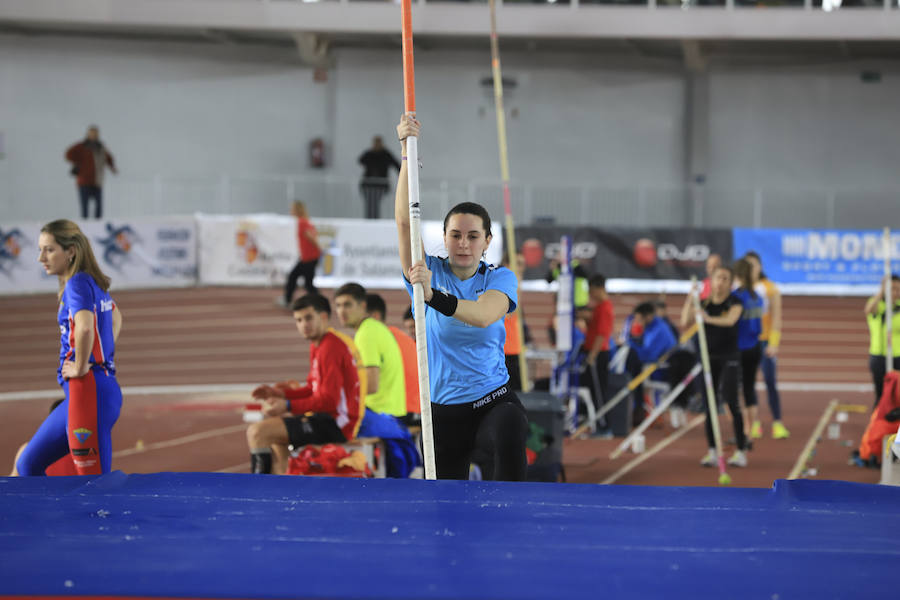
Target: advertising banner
x=246 y=250
x=262 y=250
x=839 y=261
x=623 y=253
x=153 y=252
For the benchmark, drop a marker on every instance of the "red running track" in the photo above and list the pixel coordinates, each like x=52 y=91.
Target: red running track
x=228 y=336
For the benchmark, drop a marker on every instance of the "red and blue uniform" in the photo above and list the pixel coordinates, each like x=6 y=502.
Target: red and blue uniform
x=82 y=424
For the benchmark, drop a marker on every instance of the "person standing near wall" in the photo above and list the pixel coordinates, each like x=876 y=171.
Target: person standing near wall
x=596 y=342
x=89 y=159
x=310 y=253
x=722 y=311
x=875 y=316
x=749 y=330
x=713 y=262
x=374 y=183
x=770 y=339
x=514 y=346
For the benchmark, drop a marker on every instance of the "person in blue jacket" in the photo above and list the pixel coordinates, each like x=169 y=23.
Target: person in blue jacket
x=657 y=338
x=466 y=300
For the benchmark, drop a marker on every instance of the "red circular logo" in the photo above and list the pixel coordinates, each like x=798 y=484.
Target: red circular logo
x=532 y=252
x=645 y=253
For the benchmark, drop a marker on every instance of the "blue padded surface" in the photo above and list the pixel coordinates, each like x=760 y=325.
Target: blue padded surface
x=231 y=535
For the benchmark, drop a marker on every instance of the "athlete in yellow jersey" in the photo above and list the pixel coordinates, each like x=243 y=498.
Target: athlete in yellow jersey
x=875 y=316
x=770 y=339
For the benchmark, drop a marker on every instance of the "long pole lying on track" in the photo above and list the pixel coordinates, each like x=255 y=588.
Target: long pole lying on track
x=888 y=302
x=712 y=405
x=632 y=385
x=507 y=205
x=415 y=236
x=663 y=443
x=811 y=442
x=668 y=400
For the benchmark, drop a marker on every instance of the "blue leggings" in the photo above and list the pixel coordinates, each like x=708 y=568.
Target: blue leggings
x=768 y=365
x=82 y=424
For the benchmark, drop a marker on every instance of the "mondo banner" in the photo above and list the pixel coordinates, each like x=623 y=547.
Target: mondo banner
x=622 y=253
x=838 y=260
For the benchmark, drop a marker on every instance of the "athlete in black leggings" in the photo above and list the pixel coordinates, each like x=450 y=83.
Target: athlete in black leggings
x=722 y=310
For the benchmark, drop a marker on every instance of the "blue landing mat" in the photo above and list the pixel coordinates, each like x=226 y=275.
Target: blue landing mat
x=230 y=535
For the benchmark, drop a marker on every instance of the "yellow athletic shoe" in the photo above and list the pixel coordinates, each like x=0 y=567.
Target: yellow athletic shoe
x=779 y=431
x=756 y=430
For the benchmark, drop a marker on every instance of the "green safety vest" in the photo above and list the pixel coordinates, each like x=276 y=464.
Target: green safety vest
x=878 y=331
x=581 y=289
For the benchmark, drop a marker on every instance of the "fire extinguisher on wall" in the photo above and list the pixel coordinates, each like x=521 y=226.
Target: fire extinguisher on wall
x=317 y=153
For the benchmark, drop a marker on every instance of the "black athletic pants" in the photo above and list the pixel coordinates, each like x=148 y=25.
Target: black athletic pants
x=515 y=374
x=596 y=378
x=307 y=270
x=725 y=385
x=495 y=424
x=750 y=360
x=372 y=193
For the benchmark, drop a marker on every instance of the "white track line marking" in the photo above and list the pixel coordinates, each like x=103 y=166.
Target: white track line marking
x=187 y=439
x=818 y=386
x=147 y=390
x=155 y=390
x=244 y=466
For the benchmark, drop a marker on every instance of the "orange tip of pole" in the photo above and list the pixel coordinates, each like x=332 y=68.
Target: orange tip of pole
x=409 y=76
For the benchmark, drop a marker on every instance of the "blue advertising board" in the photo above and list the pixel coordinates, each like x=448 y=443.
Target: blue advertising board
x=822 y=257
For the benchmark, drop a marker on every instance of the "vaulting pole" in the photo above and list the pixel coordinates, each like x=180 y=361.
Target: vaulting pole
x=507 y=205
x=415 y=236
x=888 y=303
x=712 y=405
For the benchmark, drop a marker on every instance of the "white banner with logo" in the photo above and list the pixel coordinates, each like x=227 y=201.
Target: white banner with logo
x=262 y=250
x=152 y=252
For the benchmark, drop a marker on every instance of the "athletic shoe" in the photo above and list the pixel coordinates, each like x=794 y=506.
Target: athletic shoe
x=756 y=430
x=779 y=431
x=738 y=459
x=280 y=301
x=710 y=459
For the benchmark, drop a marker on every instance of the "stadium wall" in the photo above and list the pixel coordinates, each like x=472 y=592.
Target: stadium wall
x=817 y=138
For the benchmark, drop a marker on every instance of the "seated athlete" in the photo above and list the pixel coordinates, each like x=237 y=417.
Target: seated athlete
x=377 y=309
x=326 y=410
x=385 y=390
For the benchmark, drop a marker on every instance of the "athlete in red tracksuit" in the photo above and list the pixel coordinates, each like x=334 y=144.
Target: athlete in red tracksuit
x=326 y=410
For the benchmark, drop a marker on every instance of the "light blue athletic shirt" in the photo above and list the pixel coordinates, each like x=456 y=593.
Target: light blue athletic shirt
x=466 y=362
